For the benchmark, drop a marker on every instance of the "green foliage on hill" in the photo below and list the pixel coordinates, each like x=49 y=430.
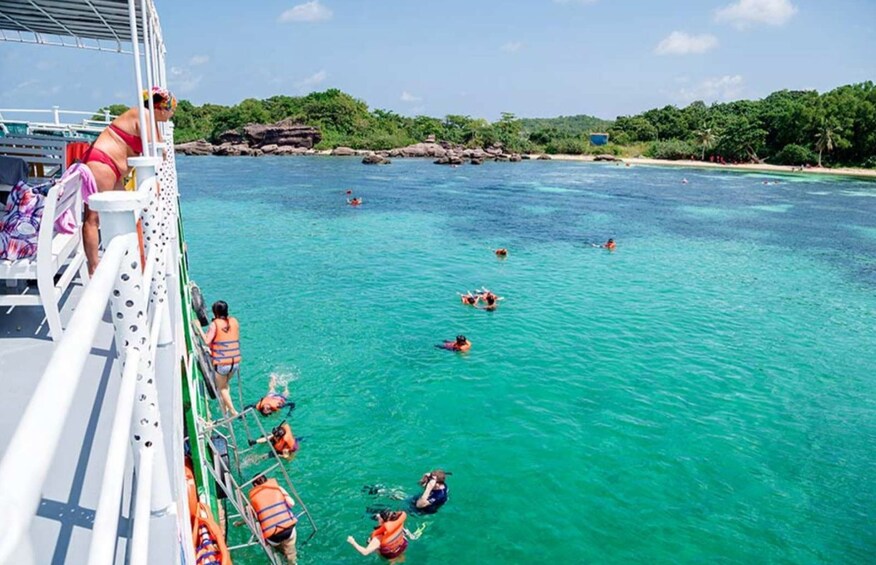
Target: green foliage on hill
x=786 y=127
x=837 y=127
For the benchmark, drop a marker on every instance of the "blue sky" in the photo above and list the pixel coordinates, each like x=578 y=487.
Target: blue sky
x=535 y=58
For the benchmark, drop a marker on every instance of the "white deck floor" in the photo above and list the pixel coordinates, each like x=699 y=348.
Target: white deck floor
x=61 y=531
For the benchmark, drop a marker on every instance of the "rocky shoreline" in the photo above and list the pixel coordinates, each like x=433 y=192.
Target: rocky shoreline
x=288 y=138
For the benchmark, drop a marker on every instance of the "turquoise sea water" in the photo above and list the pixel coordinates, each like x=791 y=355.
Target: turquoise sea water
x=703 y=394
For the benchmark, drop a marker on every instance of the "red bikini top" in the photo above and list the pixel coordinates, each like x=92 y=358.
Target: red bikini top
x=133 y=141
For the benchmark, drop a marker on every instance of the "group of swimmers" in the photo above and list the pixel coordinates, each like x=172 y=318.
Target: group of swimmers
x=272 y=505
x=489 y=298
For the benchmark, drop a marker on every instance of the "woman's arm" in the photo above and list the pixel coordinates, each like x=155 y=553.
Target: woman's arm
x=373 y=545
x=211 y=334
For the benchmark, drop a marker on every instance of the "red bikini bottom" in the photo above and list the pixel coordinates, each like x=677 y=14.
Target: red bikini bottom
x=95 y=154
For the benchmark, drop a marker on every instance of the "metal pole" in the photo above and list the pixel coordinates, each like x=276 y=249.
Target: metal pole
x=135 y=43
x=106 y=521
x=139 y=553
x=147 y=54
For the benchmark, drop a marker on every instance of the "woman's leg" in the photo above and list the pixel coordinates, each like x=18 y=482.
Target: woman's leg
x=105 y=178
x=225 y=393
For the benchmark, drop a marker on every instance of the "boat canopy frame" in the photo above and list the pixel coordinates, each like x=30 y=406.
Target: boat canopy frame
x=90 y=24
x=101 y=25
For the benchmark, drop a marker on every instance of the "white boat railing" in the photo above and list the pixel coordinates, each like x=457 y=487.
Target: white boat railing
x=94 y=122
x=139 y=300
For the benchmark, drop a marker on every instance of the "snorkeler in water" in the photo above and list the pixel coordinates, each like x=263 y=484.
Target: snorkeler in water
x=468 y=298
x=461 y=344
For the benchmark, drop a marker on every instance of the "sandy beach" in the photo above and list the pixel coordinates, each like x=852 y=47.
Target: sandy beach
x=848 y=172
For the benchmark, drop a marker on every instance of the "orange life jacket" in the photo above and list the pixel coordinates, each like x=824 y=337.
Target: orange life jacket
x=287 y=442
x=269 y=503
x=210 y=547
x=271 y=403
x=391 y=534
x=225 y=348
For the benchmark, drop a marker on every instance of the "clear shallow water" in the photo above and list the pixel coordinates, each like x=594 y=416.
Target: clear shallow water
x=705 y=393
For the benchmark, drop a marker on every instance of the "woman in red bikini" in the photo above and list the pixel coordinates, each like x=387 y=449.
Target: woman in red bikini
x=108 y=159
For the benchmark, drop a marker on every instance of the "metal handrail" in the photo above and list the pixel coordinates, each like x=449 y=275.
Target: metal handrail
x=106 y=519
x=26 y=463
x=56 y=112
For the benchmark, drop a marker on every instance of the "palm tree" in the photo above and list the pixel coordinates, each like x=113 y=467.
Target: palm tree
x=826 y=138
x=706 y=138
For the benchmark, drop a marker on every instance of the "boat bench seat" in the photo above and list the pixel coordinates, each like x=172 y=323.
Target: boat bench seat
x=62 y=245
x=55 y=252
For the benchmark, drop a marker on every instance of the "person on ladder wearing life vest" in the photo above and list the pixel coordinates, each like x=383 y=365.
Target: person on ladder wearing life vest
x=223 y=339
x=282 y=440
x=389 y=537
x=272 y=507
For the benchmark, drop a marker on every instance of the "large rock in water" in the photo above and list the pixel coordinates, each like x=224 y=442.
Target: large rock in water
x=544 y=157
x=375 y=159
x=283 y=133
x=343 y=152
x=450 y=159
x=199 y=147
x=420 y=150
x=605 y=157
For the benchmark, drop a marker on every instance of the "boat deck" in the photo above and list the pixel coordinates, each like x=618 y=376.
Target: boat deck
x=61 y=531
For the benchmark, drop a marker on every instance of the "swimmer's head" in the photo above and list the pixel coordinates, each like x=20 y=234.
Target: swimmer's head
x=460 y=339
x=220 y=309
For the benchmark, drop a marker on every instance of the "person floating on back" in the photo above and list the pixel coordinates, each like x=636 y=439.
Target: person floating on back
x=272 y=506
x=461 y=344
x=223 y=339
x=389 y=537
x=469 y=299
x=610 y=245
x=491 y=302
x=282 y=440
x=274 y=402
x=434 y=492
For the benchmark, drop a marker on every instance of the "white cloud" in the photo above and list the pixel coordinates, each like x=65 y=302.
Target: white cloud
x=311 y=11
x=719 y=89
x=199 y=60
x=744 y=13
x=182 y=80
x=512 y=46
x=681 y=43
x=312 y=81
x=408 y=97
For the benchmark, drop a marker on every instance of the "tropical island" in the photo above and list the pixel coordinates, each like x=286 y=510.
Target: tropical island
x=834 y=129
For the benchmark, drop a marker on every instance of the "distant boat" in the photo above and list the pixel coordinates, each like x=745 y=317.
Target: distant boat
x=598 y=138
